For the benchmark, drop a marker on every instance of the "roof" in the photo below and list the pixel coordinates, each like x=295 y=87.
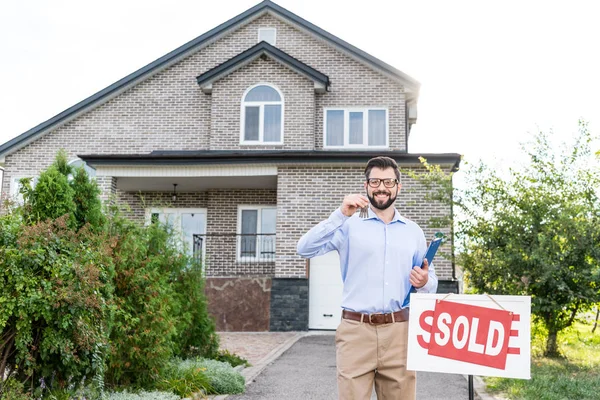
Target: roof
x=267 y=6
x=263 y=48
x=208 y=157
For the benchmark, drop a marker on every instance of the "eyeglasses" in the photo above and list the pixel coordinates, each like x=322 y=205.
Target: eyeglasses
x=388 y=183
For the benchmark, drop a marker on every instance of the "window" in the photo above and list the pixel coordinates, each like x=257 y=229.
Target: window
x=269 y=35
x=356 y=127
x=15 y=187
x=189 y=223
x=256 y=233
x=262 y=116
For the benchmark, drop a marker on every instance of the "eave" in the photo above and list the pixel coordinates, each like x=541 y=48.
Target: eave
x=204 y=157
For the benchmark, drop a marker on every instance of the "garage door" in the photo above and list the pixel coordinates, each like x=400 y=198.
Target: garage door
x=325 y=292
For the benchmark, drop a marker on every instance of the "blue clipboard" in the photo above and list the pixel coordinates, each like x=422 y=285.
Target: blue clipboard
x=432 y=249
x=434 y=245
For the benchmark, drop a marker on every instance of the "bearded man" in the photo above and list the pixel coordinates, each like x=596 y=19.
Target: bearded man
x=381 y=262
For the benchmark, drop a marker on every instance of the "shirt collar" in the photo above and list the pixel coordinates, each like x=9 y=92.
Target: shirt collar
x=397 y=217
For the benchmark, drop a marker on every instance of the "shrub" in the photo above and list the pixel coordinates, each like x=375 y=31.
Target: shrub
x=79 y=288
x=222 y=377
x=11 y=389
x=143 y=334
x=232 y=359
x=196 y=328
x=184 y=380
x=88 y=207
x=55 y=301
x=142 y=395
x=52 y=197
x=161 y=306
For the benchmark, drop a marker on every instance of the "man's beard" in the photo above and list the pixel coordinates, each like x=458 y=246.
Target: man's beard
x=380 y=205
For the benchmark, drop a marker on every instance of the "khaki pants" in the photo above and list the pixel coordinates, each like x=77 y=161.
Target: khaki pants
x=368 y=354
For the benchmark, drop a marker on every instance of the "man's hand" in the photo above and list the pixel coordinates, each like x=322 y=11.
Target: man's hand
x=419 y=276
x=352 y=202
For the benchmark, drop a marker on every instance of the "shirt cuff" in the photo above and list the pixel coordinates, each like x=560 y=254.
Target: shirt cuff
x=426 y=288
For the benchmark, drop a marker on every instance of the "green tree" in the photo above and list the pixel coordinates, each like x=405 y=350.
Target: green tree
x=535 y=231
x=86 y=196
x=52 y=197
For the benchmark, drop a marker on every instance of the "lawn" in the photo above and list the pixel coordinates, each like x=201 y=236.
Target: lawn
x=575 y=376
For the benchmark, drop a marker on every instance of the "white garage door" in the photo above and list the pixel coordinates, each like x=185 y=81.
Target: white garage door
x=325 y=292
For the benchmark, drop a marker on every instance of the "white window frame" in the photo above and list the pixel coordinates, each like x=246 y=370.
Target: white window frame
x=177 y=227
x=260 y=30
x=15 y=186
x=259 y=208
x=365 y=111
x=261 y=116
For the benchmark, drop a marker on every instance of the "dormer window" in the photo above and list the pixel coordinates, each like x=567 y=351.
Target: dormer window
x=269 y=35
x=262 y=115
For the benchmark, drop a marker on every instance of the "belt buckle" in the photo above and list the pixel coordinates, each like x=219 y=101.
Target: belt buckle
x=371 y=321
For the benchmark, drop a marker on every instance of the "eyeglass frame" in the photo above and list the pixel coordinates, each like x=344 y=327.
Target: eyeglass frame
x=380 y=181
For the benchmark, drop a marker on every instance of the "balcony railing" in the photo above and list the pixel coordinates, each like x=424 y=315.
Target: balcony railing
x=240 y=248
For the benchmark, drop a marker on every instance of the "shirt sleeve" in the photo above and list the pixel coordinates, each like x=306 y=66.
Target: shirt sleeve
x=324 y=237
x=432 y=281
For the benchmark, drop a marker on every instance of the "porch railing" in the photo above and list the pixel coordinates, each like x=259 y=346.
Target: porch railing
x=240 y=248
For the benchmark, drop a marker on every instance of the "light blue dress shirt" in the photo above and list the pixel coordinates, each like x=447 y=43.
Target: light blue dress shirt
x=375 y=258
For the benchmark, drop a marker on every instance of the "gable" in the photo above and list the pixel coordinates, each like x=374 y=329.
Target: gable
x=313 y=47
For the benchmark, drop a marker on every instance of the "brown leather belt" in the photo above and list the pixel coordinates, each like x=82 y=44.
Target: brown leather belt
x=378 y=318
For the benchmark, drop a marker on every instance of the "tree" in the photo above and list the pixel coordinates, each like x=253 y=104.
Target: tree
x=535 y=231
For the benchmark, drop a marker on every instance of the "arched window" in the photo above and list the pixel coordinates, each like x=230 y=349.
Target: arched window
x=262 y=115
x=76 y=163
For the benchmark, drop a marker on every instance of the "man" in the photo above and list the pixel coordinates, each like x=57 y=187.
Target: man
x=381 y=259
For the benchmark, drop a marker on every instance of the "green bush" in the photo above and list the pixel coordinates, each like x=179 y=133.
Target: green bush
x=142 y=395
x=161 y=307
x=55 y=301
x=222 y=377
x=52 y=196
x=196 y=331
x=184 y=380
x=12 y=389
x=86 y=295
x=232 y=359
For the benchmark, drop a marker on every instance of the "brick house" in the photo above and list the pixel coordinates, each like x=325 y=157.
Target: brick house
x=244 y=138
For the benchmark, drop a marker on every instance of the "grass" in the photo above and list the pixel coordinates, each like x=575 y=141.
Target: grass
x=575 y=376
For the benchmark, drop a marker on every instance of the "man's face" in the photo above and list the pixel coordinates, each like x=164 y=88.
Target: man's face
x=382 y=197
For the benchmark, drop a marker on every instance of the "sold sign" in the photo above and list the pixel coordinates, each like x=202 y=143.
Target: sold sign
x=468 y=333
x=471 y=334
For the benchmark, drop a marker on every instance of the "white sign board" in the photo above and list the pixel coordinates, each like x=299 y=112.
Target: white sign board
x=470 y=334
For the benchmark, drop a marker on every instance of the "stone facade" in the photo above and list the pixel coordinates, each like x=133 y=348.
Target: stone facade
x=289 y=305
x=168 y=111
x=240 y=304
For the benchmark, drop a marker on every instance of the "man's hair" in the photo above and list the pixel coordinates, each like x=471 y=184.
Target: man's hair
x=382 y=162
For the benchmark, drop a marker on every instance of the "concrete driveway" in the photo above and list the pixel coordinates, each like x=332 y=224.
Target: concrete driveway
x=307 y=371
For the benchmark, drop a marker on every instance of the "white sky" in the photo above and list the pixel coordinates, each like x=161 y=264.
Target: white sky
x=490 y=71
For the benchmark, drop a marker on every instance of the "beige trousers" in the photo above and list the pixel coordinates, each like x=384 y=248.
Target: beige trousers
x=368 y=354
